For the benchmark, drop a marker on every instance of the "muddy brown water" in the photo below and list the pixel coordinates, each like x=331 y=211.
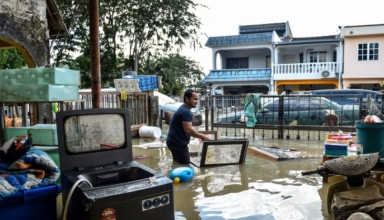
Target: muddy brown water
x=259 y=189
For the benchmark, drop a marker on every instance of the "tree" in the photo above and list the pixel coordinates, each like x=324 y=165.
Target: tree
x=177 y=72
x=11 y=59
x=130 y=30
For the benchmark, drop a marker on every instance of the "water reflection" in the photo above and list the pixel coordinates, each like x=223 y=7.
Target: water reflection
x=224 y=179
x=258 y=189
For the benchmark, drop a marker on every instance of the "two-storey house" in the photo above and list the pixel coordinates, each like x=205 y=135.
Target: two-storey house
x=363 y=57
x=267 y=59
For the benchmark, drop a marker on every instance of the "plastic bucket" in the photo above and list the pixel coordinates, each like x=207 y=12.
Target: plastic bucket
x=370 y=136
x=150 y=132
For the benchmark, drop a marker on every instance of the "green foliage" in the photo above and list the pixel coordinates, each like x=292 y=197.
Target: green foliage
x=129 y=29
x=11 y=59
x=177 y=72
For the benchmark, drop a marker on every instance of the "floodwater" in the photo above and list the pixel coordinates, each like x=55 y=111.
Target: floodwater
x=259 y=189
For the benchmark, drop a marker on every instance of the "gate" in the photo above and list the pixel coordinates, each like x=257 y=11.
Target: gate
x=285 y=116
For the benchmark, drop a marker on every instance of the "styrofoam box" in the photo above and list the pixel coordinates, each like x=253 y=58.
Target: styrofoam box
x=57 y=76
x=40 y=93
x=40 y=76
x=52 y=92
x=10 y=93
x=43 y=134
x=15 y=131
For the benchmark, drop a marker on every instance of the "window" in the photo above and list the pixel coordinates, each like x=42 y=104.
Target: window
x=301 y=57
x=369 y=51
x=318 y=57
x=237 y=63
x=334 y=58
x=273 y=106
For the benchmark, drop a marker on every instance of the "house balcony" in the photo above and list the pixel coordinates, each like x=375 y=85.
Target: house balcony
x=299 y=71
x=238 y=75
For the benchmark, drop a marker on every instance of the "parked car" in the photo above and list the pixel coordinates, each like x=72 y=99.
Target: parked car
x=167 y=103
x=344 y=96
x=304 y=110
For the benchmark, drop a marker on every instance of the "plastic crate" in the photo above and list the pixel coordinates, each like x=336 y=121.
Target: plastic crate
x=335 y=147
x=39 y=203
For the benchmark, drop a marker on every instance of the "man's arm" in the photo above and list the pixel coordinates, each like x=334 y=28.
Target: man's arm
x=188 y=128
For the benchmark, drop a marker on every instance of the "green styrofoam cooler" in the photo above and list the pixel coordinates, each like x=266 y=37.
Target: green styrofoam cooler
x=15 y=131
x=43 y=134
x=32 y=92
x=40 y=76
x=370 y=137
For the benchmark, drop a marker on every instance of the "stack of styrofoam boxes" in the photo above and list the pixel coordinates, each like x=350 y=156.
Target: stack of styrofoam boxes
x=39 y=84
x=137 y=83
x=42 y=134
x=337 y=145
x=127 y=85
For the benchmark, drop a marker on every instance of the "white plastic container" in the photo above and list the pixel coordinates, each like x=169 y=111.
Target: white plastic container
x=150 y=132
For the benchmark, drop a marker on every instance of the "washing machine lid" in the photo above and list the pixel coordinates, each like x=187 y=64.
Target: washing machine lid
x=92 y=138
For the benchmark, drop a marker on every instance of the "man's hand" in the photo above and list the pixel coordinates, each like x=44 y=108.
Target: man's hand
x=204 y=137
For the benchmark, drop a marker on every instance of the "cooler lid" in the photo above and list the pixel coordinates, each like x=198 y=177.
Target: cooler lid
x=91 y=138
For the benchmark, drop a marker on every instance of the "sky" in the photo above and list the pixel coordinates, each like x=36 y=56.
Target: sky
x=306 y=18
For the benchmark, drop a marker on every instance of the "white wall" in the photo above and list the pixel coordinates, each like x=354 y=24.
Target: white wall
x=306 y=51
x=257 y=57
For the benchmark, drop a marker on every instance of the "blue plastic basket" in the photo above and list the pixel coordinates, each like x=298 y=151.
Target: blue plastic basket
x=39 y=203
x=335 y=147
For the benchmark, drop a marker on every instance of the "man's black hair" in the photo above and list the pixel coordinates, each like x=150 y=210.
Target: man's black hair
x=188 y=94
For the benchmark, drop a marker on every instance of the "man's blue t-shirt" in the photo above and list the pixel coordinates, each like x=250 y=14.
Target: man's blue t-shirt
x=176 y=132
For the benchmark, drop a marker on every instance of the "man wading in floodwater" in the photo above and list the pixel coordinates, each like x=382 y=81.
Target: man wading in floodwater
x=181 y=130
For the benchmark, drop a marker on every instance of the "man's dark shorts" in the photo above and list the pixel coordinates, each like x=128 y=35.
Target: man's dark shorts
x=180 y=152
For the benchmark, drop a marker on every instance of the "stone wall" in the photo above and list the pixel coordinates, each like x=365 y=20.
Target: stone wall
x=24 y=22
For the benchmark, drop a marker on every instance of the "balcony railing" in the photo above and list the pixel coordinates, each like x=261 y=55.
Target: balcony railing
x=305 y=70
x=235 y=75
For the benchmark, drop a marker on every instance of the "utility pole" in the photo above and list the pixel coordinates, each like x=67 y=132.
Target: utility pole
x=136 y=56
x=95 y=52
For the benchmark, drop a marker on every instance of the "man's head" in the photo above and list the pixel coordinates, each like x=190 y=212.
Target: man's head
x=191 y=98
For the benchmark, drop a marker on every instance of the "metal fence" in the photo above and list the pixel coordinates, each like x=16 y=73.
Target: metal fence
x=137 y=103
x=290 y=116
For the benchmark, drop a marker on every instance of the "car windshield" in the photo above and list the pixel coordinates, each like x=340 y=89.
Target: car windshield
x=164 y=99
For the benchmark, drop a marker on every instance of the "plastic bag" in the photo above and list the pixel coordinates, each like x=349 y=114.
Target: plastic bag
x=15 y=148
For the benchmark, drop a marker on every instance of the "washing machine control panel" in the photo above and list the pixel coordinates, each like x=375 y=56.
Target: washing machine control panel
x=155 y=202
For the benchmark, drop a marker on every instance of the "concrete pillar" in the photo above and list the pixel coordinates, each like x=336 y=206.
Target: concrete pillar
x=214 y=55
x=24 y=24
